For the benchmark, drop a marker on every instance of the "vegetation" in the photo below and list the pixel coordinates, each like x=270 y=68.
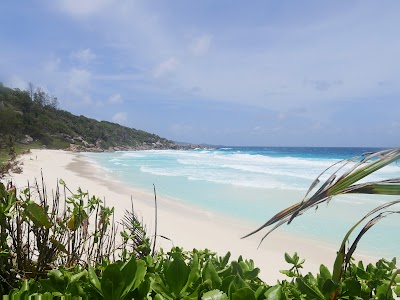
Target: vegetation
x=68 y=247
x=35 y=113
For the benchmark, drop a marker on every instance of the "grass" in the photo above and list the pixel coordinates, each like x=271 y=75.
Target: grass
x=55 y=143
x=19 y=149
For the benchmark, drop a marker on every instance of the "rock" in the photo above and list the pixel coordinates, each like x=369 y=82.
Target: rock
x=26 y=140
x=17 y=170
x=75 y=148
x=98 y=143
x=78 y=138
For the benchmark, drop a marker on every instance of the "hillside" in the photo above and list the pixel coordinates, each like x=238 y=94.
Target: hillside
x=33 y=117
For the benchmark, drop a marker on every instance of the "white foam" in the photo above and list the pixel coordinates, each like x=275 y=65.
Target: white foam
x=115 y=160
x=240 y=169
x=133 y=154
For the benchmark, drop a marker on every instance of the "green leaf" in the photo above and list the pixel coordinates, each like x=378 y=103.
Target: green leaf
x=94 y=280
x=214 y=295
x=243 y=293
x=56 y=276
x=37 y=215
x=397 y=278
x=362 y=274
x=56 y=281
x=59 y=246
x=376 y=188
x=78 y=276
x=244 y=265
x=134 y=272
x=338 y=265
x=50 y=286
x=194 y=273
x=237 y=267
x=112 y=282
x=329 y=287
x=77 y=289
x=225 y=260
x=128 y=271
x=261 y=290
x=289 y=259
x=251 y=275
x=159 y=288
x=397 y=290
x=353 y=287
x=309 y=290
x=210 y=273
x=324 y=272
x=382 y=290
x=274 y=293
x=176 y=275
x=226 y=281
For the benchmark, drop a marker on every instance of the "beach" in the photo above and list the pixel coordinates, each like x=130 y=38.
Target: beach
x=187 y=226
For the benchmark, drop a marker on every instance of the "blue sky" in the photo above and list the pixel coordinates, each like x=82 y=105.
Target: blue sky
x=263 y=73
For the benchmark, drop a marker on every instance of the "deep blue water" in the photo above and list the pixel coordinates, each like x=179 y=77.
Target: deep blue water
x=254 y=183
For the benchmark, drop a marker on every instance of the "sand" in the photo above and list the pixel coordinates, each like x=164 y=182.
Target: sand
x=185 y=225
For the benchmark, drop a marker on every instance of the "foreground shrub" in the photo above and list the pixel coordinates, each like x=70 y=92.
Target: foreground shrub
x=203 y=275
x=38 y=234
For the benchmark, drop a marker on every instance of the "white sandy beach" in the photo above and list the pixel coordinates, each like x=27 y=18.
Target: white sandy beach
x=187 y=226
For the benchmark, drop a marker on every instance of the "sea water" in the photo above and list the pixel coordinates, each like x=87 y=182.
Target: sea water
x=254 y=183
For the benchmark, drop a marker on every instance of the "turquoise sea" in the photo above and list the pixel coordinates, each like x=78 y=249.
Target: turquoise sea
x=254 y=183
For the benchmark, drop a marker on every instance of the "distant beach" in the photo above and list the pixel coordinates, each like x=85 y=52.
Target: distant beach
x=188 y=225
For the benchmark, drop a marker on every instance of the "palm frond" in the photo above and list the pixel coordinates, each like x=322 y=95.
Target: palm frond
x=344 y=179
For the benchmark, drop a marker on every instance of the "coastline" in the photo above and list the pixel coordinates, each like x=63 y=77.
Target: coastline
x=186 y=225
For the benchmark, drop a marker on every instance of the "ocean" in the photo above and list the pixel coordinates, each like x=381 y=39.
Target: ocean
x=254 y=183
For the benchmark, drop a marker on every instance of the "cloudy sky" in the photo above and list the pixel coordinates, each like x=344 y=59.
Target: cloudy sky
x=263 y=73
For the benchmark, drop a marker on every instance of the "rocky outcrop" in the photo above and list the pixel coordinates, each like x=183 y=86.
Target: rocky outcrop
x=83 y=146
x=78 y=144
x=26 y=140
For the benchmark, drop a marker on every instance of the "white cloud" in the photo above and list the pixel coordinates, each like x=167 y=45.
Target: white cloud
x=79 y=81
x=115 y=99
x=120 y=117
x=84 y=56
x=87 y=100
x=16 y=81
x=99 y=104
x=395 y=124
x=201 y=45
x=52 y=64
x=166 y=67
x=87 y=8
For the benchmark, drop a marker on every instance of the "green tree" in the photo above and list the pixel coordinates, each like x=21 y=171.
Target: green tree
x=9 y=121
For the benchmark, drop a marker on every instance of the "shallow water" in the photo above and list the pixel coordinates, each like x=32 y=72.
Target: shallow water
x=255 y=183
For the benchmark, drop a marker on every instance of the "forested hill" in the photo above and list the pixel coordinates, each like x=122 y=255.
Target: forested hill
x=33 y=116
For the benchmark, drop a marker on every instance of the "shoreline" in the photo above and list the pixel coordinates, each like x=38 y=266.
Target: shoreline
x=186 y=225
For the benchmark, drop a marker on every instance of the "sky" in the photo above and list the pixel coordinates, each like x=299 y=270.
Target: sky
x=255 y=73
